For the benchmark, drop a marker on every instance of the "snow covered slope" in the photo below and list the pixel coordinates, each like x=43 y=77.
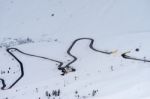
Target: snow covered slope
x=105 y=41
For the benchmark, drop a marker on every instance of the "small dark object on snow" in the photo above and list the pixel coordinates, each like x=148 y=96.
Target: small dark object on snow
x=137 y=49
x=66 y=70
x=52 y=14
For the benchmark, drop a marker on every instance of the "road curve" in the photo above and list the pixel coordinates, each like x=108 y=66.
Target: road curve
x=124 y=55
x=90 y=45
x=9 y=50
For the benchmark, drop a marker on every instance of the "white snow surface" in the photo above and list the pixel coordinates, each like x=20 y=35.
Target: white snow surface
x=51 y=26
